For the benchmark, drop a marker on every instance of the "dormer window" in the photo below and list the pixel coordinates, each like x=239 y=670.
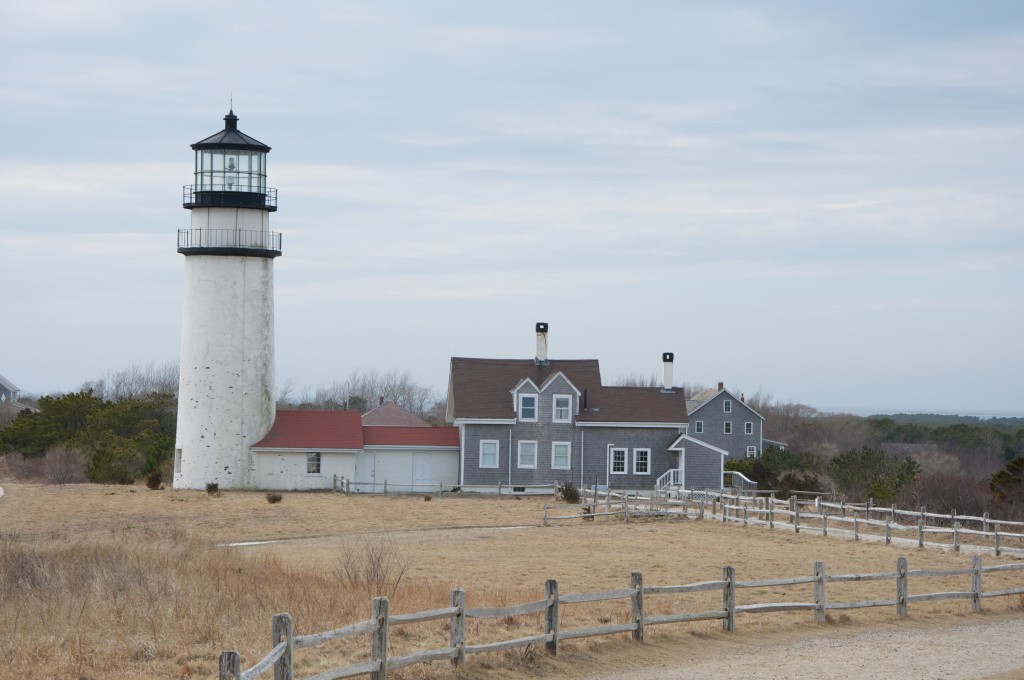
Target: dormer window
x=528 y=407
x=727 y=405
x=562 y=409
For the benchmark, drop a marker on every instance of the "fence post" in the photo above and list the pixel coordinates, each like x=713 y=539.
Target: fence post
x=920 y=533
x=281 y=629
x=458 y=626
x=856 y=528
x=842 y=507
x=771 y=512
x=984 y=523
x=892 y=512
x=997 y=540
x=385 y=487
x=744 y=515
x=888 y=530
x=956 y=536
x=608 y=500
x=819 y=591
x=551 y=615
x=976 y=584
x=230 y=666
x=923 y=518
x=379 y=650
x=636 y=582
x=625 y=506
x=824 y=524
x=901 y=587
x=796 y=517
x=729 y=599
x=545 y=514
x=700 y=513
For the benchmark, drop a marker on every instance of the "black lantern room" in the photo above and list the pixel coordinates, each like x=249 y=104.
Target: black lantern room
x=231 y=171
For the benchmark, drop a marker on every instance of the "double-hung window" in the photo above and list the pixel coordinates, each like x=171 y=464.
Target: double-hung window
x=528 y=454
x=641 y=461
x=561 y=455
x=727 y=427
x=619 y=461
x=313 y=463
x=698 y=427
x=528 y=407
x=748 y=427
x=727 y=406
x=488 y=453
x=561 y=408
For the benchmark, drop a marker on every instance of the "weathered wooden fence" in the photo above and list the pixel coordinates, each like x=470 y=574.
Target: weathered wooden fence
x=284 y=642
x=854 y=520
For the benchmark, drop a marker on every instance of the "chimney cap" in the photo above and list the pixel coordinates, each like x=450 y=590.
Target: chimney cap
x=668 y=357
x=542 y=327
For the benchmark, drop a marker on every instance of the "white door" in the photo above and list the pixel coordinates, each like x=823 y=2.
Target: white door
x=421 y=472
x=366 y=472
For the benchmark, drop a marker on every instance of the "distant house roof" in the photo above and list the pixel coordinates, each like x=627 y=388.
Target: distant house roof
x=411 y=436
x=392 y=415
x=698 y=400
x=479 y=388
x=634 y=405
x=314 y=430
x=8 y=385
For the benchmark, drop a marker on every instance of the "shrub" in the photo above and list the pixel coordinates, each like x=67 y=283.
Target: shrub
x=568 y=492
x=372 y=564
x=154 y=479
x=64 y=464
x=213 y=488
x=274 y=497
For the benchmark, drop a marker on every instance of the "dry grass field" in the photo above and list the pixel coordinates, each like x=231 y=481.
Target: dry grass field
x=124 y=582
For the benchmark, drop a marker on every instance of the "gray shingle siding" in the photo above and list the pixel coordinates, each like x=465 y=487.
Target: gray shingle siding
x=703 y=468
x=713 y=417
x=599 y=440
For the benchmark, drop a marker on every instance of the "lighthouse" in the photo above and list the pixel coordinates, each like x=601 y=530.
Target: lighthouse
x=226 y=384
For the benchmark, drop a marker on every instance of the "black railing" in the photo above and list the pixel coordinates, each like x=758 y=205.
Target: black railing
x=228 y=195
x=228 y=239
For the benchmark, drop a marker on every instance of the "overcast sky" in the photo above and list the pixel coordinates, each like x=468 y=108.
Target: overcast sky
x=824 y=201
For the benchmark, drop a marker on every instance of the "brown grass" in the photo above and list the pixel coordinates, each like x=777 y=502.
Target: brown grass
x=116 y=582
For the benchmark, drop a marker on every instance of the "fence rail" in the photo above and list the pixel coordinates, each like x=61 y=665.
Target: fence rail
x=846 y=519
x=284 y=642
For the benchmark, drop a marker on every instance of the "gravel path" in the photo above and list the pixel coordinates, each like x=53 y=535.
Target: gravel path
x=990 y=648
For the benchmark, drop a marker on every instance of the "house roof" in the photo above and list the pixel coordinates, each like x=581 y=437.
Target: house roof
x=634 y=405
x=698 y=400
x=11 y=387
x=314 y=430
x=479 y=388
x=392 y=415
x=411 y=436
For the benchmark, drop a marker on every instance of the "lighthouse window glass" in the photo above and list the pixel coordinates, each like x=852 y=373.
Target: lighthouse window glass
x=313 y=463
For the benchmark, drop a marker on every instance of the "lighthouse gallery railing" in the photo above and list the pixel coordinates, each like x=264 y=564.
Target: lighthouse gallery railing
x=229 y=238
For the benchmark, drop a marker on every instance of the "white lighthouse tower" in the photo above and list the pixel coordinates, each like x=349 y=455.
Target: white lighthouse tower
x=226 y=388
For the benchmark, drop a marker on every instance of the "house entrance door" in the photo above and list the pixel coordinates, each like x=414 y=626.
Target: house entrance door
x=421 y=472
x=366 y=472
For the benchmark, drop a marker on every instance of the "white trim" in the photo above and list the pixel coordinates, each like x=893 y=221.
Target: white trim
x=554 y=408
x=555 y=375
x=568 y=465
x=519 y=454
x=685 y=437
x=497 y=454
x=624 y=424
x=748 y=427
x=611 y=460
x=459 y=422
x=648 y=452
x=536 y=407
x=304 y=449
x=727 y=406
x=319 y=463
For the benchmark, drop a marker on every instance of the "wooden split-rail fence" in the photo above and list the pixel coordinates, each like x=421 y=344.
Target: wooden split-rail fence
x=285 y=643
x=854 y=520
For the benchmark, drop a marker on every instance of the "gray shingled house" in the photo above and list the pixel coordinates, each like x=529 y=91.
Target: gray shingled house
x=536 y=421
x=717 y=417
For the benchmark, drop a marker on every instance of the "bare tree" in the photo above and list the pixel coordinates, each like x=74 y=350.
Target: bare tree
x=64 y=464
x=136 y=381
x=363 y=390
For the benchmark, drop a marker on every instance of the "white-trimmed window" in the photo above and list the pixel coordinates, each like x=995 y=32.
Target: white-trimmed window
x=313 y=463
x=619 y=461
x=751 y=452
x=748 y=427
x=727 y=427
x=641 y=461
x=528 y=454
x=561 y=455
x=489 y=450
x=727 y=406
x=528 y=407
x=561 y=408
x=698 y=427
